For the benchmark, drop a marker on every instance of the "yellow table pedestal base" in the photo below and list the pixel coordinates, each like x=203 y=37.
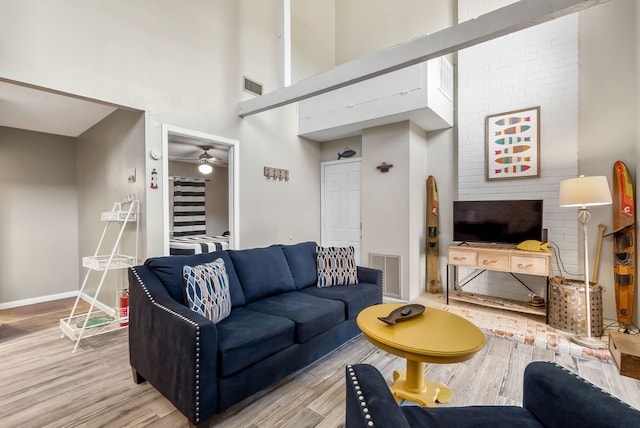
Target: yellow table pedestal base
x=410 y=385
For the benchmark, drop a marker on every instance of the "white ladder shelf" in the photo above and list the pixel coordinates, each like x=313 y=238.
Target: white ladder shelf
x=98 y=321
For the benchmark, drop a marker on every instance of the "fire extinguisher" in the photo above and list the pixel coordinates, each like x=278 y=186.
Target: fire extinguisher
x=124 y=308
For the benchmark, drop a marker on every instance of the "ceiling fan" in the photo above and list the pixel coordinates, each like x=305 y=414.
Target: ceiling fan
x=205 y=160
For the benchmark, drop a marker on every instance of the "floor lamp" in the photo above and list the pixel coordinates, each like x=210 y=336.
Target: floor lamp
x=583 y=192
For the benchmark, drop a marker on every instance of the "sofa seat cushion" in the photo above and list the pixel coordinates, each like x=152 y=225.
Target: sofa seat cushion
x=169 y=270
x=246 y=337
x=312 y=315
x=354 y=297
x=471 y=416
x=262 y=272
x=302 y=262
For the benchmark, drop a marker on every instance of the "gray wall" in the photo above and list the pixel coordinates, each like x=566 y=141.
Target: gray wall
x=104 y=154
x=608 y=124
x=38 y=215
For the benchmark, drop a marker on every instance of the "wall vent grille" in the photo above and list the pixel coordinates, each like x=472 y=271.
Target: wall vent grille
x=391 y=267
x=446 y=79
x=252 y=86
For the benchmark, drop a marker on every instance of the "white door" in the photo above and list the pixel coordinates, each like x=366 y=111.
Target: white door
x=340 y=205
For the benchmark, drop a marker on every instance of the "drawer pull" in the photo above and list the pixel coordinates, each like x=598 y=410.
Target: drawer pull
x=522 y=266
x=459 y=258
x=489 y=262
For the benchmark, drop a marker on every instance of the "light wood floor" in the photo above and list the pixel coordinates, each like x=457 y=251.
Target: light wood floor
x=42 y=384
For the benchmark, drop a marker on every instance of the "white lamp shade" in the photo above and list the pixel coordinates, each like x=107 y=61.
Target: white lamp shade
x=205 y=168
x=584 y=191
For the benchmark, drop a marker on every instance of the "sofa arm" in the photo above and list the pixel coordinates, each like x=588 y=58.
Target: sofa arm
x=371 y=276
x=172 y=347
x=560 y=398
x=369 y=401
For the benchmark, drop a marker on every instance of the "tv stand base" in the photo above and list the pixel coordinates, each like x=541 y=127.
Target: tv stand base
x=497 y=302
x=503 y=258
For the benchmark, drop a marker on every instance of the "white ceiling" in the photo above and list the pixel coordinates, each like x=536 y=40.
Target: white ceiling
x=42 y=110
x=36 y=109
x=187 y=149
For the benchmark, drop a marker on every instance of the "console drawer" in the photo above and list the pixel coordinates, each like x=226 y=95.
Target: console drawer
x=529 y=265
x=463 y=258
x=493 y=261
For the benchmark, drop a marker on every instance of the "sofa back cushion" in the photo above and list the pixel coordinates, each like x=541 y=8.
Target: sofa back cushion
x=169 y=270
x=302 y=262
x=262 y=272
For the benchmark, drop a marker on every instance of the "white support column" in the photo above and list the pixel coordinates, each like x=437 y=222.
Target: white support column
x=284 y=42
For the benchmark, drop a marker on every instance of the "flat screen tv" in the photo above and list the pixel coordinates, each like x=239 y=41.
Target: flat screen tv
x=500 y=222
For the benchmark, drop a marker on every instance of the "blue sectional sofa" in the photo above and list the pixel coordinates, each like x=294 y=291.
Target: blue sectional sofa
x=553 y=397
x=280 y=321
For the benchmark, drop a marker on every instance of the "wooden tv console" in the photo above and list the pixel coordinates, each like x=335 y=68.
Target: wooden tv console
x=497 y=257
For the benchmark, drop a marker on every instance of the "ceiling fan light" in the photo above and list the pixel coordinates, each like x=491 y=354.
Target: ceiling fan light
x=205 y=168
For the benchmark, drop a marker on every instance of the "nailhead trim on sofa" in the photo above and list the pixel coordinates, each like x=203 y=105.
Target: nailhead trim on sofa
x=361 y=398
x=164 y=308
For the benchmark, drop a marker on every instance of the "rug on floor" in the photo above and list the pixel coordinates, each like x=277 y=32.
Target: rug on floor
x=518 y=327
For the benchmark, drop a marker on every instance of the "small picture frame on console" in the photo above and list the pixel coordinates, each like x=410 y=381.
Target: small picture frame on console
x=513 y=144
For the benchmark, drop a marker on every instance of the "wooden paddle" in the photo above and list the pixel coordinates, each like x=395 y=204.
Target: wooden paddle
x=596 y=265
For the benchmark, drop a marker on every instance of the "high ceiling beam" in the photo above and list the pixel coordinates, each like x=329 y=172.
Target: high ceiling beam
x=509 y=19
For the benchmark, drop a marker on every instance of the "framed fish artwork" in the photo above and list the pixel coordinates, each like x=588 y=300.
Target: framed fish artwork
x=513 y=144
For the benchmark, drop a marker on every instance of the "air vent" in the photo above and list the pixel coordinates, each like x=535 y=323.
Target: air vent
x=252 y=87
x=390 y=266
x=446 y=79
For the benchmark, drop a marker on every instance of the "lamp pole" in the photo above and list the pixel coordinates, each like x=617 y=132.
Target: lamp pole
x=584 y=216
x=583 y=192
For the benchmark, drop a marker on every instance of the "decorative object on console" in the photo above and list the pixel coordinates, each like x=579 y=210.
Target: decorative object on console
x=533 y=245
x=513 y=144
x=584 y=192
x=384 y=167
x=402 y=313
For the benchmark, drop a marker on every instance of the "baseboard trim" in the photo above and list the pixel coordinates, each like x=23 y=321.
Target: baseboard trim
x=52 y=297
x=387 y=299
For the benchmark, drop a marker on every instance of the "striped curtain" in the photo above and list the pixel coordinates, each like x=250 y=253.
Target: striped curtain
x=188 y=208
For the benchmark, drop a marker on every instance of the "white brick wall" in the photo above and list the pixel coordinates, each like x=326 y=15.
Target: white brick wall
x=534 y=67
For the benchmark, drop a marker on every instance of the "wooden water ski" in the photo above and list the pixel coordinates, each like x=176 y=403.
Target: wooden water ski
x=434 y=284
x=624 y=257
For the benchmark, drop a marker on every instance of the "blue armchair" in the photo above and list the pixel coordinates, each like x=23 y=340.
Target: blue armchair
x=552 y=397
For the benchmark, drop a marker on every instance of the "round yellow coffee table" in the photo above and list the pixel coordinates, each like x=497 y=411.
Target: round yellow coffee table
x=435 y=336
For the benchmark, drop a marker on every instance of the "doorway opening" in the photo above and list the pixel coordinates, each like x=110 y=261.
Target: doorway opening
x=212 y=193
